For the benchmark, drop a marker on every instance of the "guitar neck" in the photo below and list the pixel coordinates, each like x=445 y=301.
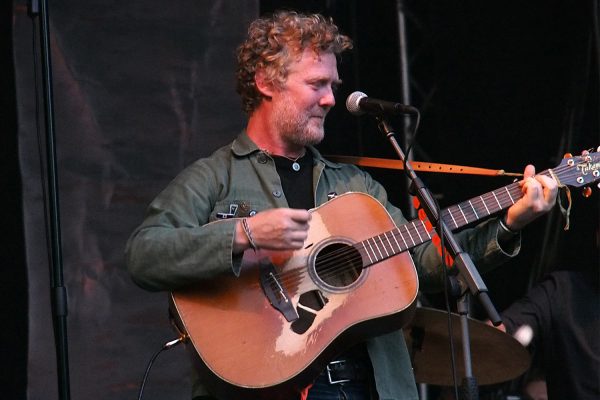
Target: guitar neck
x=415 y=232
x=480 y=207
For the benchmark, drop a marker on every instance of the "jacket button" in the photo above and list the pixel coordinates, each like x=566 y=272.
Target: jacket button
x=276 y=193
x=262 y=158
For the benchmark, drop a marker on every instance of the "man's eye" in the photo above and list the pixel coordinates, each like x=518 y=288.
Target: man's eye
x=325 y=84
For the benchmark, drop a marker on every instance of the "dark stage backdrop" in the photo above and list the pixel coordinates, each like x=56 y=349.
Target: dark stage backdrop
x=143 y=88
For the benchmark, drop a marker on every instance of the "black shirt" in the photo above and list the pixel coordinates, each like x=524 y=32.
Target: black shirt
x=297 y=185
x=564 y=312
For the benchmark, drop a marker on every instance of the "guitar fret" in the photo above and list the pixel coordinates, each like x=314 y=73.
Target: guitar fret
x=390 y=242
x=377 y=247
x=463 y=214
x=425 y=229
x=496 y=197
x=473 y=208
x=485 y=205
x=411 y=238
x=397 y=244
x=370 y=259
x=453 y=220
x=509 y=196
x=387 y=253
x=417 y=229
x=404 y=240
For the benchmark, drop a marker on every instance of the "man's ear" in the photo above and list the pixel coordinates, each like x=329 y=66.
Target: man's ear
x=263 y=86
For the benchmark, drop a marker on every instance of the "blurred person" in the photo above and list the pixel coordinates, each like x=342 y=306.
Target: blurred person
x=559 y=319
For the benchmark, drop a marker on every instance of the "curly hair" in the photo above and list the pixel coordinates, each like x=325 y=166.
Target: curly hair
x=274 y=42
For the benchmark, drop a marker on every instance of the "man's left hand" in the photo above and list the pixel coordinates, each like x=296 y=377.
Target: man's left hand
x=539 y=196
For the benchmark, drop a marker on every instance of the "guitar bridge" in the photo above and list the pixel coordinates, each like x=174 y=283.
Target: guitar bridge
x=275 y=291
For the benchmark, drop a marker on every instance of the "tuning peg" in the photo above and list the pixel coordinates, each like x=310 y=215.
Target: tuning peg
x=587 y=191
x=585 y=156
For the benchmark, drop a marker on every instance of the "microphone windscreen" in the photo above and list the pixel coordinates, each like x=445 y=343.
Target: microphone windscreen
x=353 y=103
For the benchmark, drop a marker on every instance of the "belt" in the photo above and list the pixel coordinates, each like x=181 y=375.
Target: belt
x=342 y=371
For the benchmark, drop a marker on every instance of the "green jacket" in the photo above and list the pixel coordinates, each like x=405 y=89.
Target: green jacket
x=178 y=243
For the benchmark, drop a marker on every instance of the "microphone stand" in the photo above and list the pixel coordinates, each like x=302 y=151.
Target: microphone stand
x=58 y=291
x=468 y=274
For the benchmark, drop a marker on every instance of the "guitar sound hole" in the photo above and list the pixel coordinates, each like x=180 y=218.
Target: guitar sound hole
x=338 y=265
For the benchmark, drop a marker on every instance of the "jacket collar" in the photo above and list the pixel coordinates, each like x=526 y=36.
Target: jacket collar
x=243 y=146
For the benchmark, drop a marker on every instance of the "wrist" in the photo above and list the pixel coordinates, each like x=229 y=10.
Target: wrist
x=504 y=226
x=248 y=233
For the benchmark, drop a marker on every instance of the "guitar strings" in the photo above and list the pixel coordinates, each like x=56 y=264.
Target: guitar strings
x=329 y=264
x=333 y=257
x=350 y=257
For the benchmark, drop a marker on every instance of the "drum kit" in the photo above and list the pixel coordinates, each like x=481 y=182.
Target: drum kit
x=496 y=357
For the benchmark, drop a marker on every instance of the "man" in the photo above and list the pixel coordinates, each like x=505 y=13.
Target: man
x=255 y=193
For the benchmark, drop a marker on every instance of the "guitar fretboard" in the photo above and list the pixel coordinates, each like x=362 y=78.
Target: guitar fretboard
x=414 y=233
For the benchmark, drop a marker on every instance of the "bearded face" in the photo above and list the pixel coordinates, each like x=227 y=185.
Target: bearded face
x=300 y=106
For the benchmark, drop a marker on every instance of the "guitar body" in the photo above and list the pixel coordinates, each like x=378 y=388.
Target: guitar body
x=269 y=332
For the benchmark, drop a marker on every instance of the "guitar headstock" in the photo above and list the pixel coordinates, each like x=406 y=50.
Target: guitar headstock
x=578 y=171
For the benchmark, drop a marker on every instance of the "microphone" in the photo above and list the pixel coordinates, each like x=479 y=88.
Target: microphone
x=358 y=103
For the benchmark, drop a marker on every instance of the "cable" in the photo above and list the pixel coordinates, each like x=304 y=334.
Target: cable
x=445 y=267
x=166 y=346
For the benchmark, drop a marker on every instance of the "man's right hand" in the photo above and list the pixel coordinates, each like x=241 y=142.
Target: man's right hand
x=274 y=229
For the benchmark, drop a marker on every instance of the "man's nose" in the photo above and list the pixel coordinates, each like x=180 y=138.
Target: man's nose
x=328 y=98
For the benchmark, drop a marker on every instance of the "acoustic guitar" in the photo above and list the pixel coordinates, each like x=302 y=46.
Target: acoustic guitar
x=269 y=332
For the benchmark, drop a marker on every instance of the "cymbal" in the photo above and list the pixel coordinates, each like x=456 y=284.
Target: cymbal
x=495 y=356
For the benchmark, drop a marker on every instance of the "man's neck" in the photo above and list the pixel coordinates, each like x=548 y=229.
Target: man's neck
x=260 y=130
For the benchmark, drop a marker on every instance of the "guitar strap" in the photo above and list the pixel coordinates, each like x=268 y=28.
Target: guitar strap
x=419 y=166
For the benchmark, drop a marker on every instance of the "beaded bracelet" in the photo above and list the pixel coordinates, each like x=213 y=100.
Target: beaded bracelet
x=248 y=234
